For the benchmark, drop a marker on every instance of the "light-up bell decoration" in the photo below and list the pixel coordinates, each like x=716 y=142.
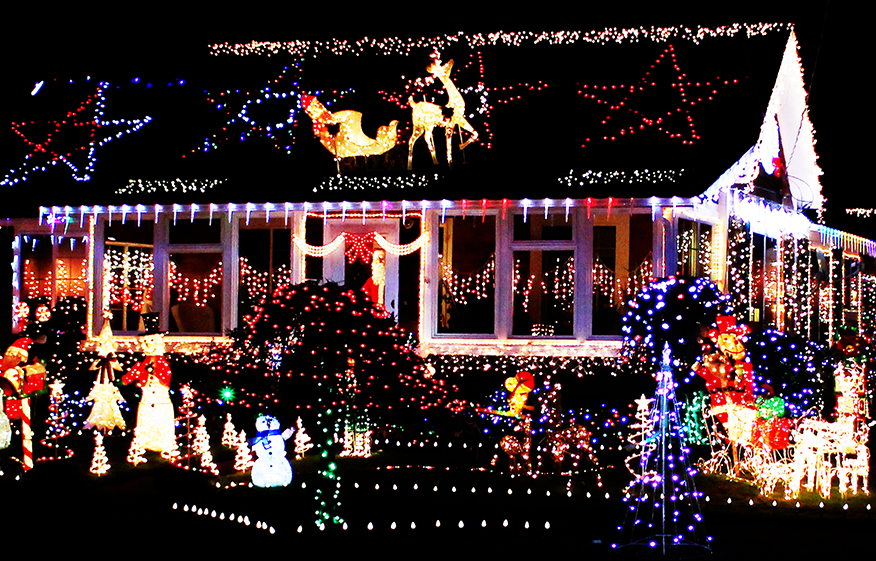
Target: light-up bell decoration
x=348 y=141
x=426 y=116
x=155 y=415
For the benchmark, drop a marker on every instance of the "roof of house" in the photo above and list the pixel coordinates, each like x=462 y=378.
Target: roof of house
x=623 y=113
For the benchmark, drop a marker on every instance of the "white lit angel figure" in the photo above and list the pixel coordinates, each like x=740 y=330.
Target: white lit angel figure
x=271 y=468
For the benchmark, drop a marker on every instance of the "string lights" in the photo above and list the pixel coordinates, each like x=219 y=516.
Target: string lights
x=675 y=122
x=87 y=124
x=404 y=46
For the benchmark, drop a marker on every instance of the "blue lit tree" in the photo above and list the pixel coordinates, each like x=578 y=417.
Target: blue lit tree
x=663 y=514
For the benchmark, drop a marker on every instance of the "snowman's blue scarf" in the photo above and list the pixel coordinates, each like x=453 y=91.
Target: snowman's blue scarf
x=263 y=435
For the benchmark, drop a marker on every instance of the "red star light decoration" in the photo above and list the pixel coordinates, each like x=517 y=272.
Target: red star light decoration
x=88 y=131
x=675 y=122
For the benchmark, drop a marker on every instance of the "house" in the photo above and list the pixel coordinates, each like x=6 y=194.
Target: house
x=638 y=153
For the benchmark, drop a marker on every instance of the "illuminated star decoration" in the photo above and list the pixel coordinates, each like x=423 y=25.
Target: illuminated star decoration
x=89 y=125
x=242 y=119
x=676 y=122
x=481 y=98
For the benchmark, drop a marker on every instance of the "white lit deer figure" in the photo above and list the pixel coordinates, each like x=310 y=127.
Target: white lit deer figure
x=426 y=116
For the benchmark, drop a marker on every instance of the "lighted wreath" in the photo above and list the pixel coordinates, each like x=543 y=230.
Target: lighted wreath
x=674 y=311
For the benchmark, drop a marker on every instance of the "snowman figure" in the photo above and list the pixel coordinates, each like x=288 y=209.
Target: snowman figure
x=271 y=468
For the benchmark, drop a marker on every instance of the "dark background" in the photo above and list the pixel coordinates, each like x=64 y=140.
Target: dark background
x=162 y=46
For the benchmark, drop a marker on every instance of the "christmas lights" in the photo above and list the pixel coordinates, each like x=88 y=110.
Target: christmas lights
x=675 y=122
x=404 y=46
x=87 y=122
x=150 y=186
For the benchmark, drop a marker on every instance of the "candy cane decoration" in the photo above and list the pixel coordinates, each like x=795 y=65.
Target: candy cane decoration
x=26 y=434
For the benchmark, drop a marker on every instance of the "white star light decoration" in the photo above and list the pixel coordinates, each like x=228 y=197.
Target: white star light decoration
x=102 y=130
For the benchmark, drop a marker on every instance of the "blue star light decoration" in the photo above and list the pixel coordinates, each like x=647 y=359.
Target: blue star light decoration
x=86 y=122
x=241 y=120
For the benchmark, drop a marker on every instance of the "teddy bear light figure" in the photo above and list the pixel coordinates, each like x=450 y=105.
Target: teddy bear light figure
x=271 y=468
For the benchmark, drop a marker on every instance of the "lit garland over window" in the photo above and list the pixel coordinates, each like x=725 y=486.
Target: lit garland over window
x=461 y=286
x=356 y=241
x=561 y=280
x=198 y=290
x=404 y=46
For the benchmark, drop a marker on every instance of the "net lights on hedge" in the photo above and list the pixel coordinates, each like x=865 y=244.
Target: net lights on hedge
x=404 y=46
x=86 y=125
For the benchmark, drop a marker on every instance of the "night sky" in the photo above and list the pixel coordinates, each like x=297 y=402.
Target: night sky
x=165 y=48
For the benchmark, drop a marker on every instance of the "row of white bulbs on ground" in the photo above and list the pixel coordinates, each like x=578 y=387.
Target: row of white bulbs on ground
x=244 y=519
x=241 y=519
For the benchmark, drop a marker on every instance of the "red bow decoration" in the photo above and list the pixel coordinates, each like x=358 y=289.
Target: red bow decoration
x=140 y=372
x=361 y=247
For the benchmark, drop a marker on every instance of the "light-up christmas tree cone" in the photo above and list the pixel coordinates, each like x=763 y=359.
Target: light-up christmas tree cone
x=99 y=463
x=663 y=514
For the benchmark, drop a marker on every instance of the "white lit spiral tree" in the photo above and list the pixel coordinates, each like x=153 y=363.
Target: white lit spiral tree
x=663 y=514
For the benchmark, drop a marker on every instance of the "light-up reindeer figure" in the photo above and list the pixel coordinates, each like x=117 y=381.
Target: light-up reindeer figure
x=426 y=116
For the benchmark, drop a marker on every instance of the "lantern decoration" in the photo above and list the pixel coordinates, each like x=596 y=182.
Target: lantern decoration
x=271 y=468
x=155 y=414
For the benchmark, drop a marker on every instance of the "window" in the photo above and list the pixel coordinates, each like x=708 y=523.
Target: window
x=544 y=293
x=195 y=281
x=128 y=274
x=53 y=268
x=467 y=262
x=622 y=264
x=694 y=243
x=265 y=250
